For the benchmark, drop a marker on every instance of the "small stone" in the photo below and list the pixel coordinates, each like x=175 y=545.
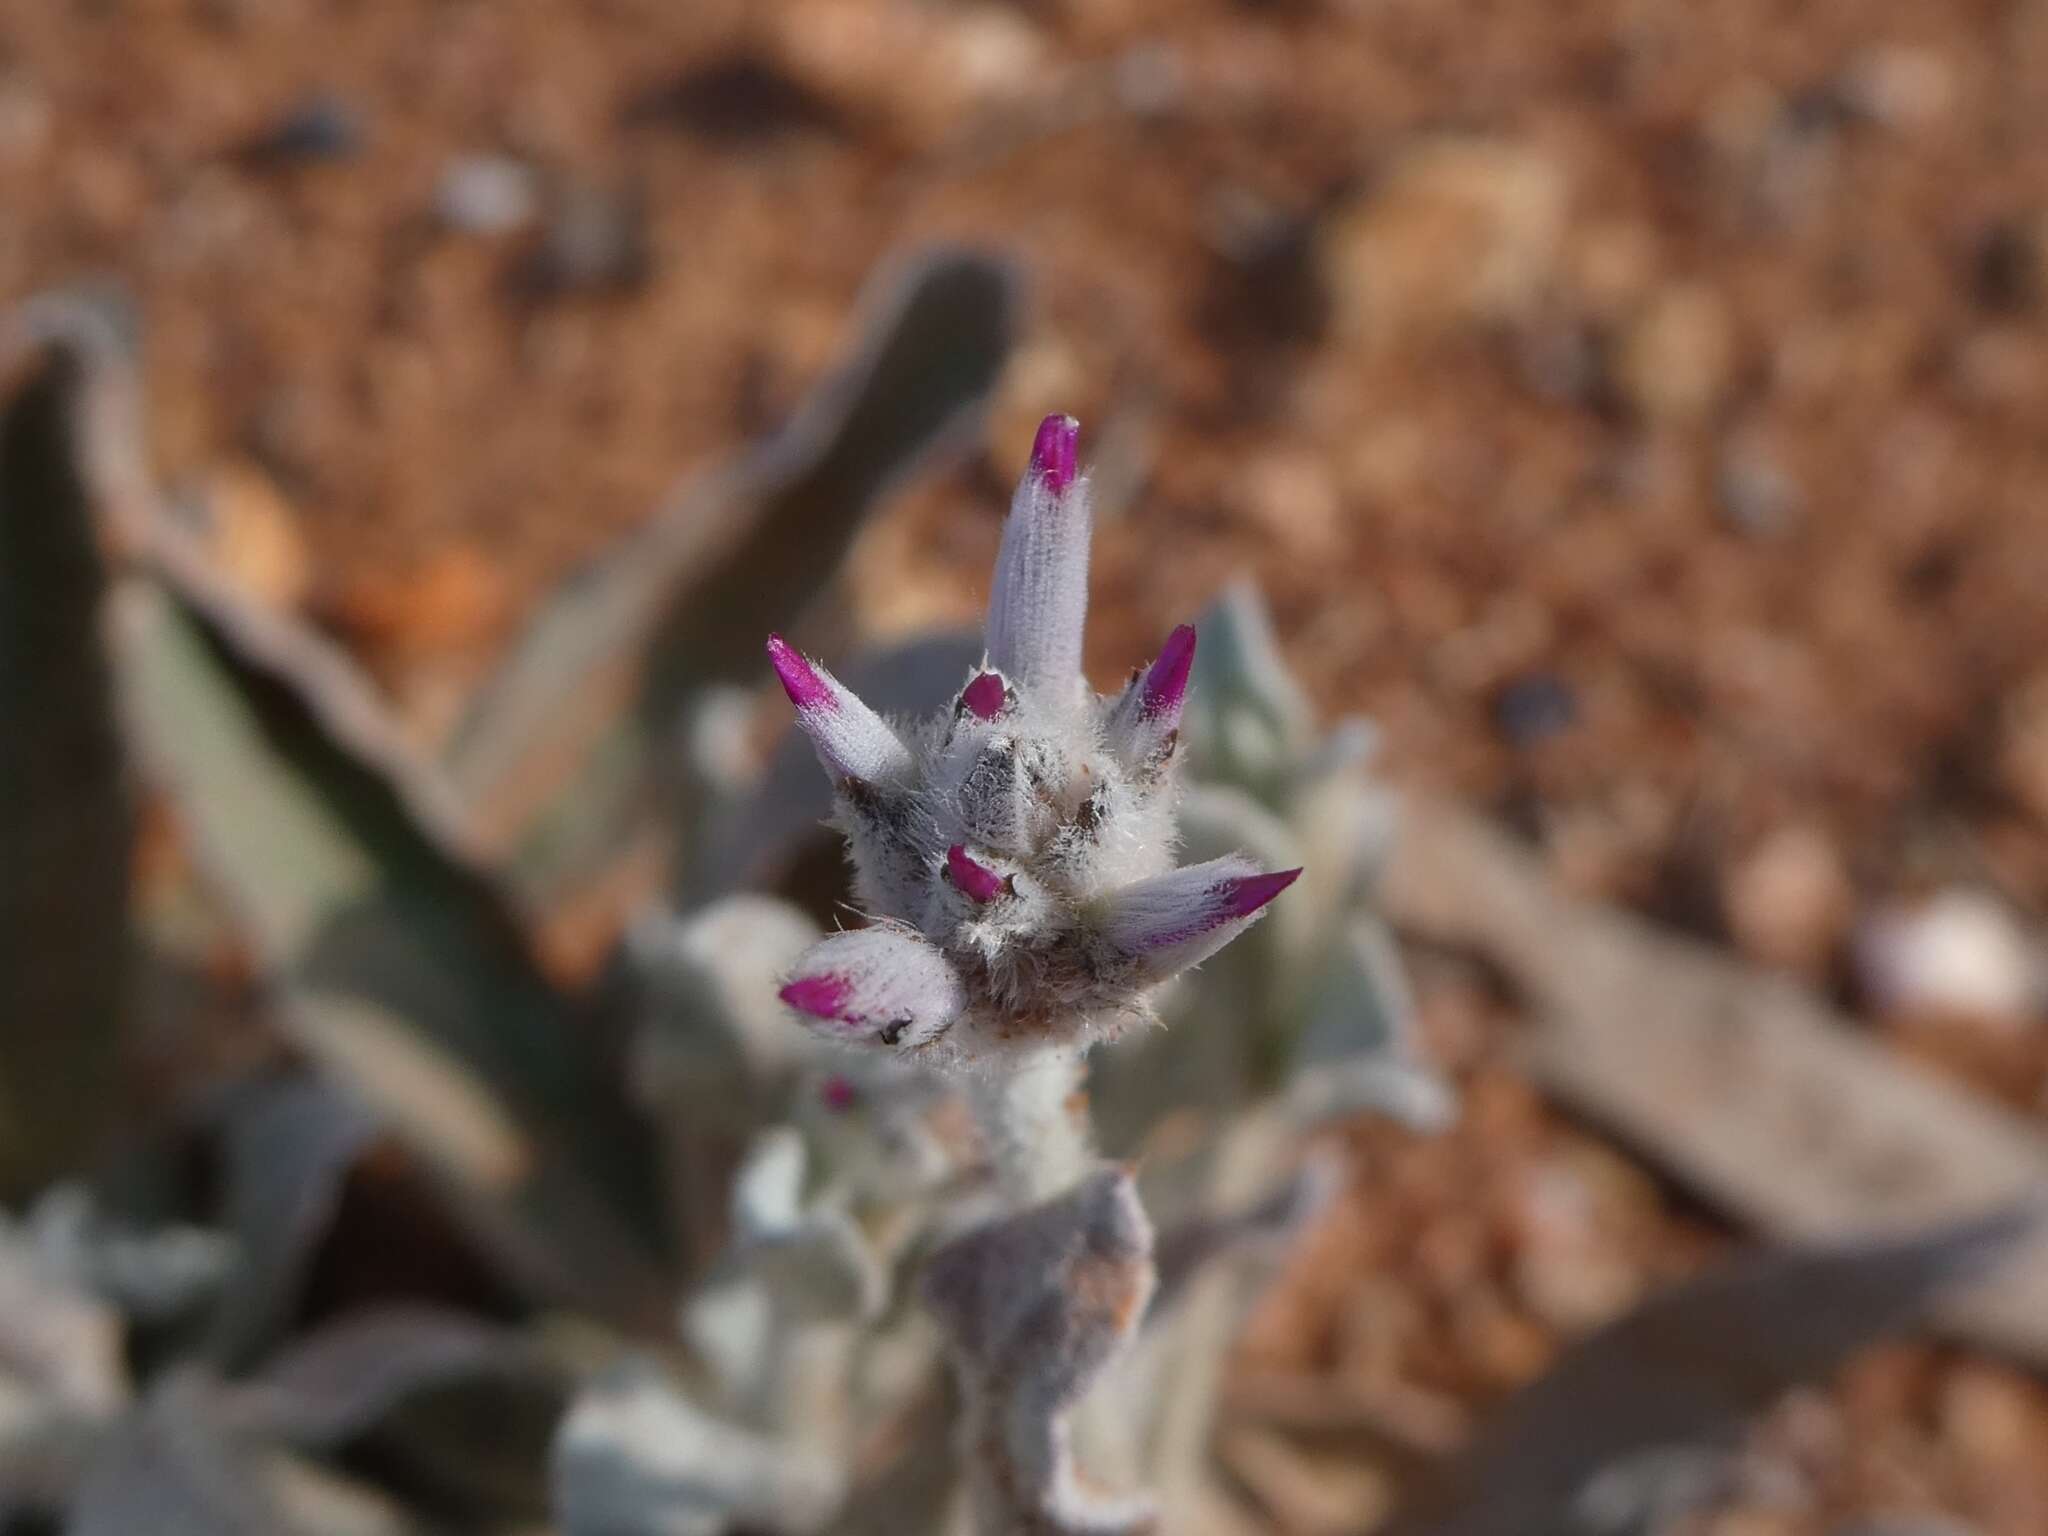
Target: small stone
x=253 y=535
x=2022 y=759
x=324 y=128
x=1788 y=902
x=1458 y=232
x=487 y=194
x=1993 y=1418
x=1960 y=954
x=1900 y=86
x=1674 y=361
x=1534 y=709
x=26 y=118
x=2009 y=272
x=596 y=241
x=1758 y=495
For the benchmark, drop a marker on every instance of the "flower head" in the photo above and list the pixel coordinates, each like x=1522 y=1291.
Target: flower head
x=1015 y=852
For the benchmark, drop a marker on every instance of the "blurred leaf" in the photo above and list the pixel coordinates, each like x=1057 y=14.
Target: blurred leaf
x=173 y=1469
x=55 y=1338
x=1275 y=1219
x=1686 y=1368
x=1034 y=1306
x=325 y=1390
x=809 y=1253
x=65 y=822
x=756 y=842
x=398 y=965
x=150 y=1275
x=286 y=1152
x=1246 y=718
x=559 y=752
x=1356 y=1050
x=636 y=1458
x=713 y=1035
x=1742 y=1083
x=455 y=1410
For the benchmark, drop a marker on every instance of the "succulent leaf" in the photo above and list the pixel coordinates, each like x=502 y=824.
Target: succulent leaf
x=1034 y=1307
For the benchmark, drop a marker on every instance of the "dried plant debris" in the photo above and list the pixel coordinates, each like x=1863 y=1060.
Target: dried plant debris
x=635 y=1457
x=1035 y=1306
x=1682 y=1372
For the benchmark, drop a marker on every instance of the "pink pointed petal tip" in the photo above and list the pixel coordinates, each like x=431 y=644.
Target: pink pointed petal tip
x=1053 y=452
x=822 y=997
x=1245 y=894
x=979 y=881
x=1166 y=684
x=984 y=696
x=800 y=680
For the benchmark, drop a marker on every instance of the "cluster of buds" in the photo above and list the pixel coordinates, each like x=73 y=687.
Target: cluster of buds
x=1014 y=855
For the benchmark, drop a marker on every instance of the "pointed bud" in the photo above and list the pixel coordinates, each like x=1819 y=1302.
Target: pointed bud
x=876 y=986
x=984 y=696
x=1040 y=601
x=1180 y=918
x=838 y=1093
x=852 y=740
x=1149 y=711
x=1053 y=452
x=976 y=880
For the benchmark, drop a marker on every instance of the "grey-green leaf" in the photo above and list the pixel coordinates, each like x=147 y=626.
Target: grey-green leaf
x=65 y=822
x=560 y=751
x=397 y=964
x=637 y=1458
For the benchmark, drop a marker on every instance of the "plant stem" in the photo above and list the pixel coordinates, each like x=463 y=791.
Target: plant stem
x=1035 y=1124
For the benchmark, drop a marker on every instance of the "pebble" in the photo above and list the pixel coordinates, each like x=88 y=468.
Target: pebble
x=26 y=119
x=1457 y=232
x=254 y=535
x=323 y=128
x=2022 y=760
x=1788 y=902
x=1960 y=953
x=1758 y=495
x=1535 y=708
x=596 y=240
x=1675 y=359
x=1900 y=86
x=487 y=194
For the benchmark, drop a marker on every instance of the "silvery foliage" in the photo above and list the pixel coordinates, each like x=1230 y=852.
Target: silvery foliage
x=1014 y=853
x=1014 y=856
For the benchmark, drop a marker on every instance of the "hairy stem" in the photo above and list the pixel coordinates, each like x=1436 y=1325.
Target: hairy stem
x=1035 y=1124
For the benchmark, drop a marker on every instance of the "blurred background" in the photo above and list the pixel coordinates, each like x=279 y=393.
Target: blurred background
x=1635 y=407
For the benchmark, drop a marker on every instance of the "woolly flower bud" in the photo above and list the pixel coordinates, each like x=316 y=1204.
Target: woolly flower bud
x=1015 y=852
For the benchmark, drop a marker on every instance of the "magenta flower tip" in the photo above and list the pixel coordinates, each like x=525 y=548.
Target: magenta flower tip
x=1166 y=684
x=984 y=696
x=822 y=997
x=1245 y=894
x=838 y=1094
x=979 y=881
x=1053 y=451
x=800 y=680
